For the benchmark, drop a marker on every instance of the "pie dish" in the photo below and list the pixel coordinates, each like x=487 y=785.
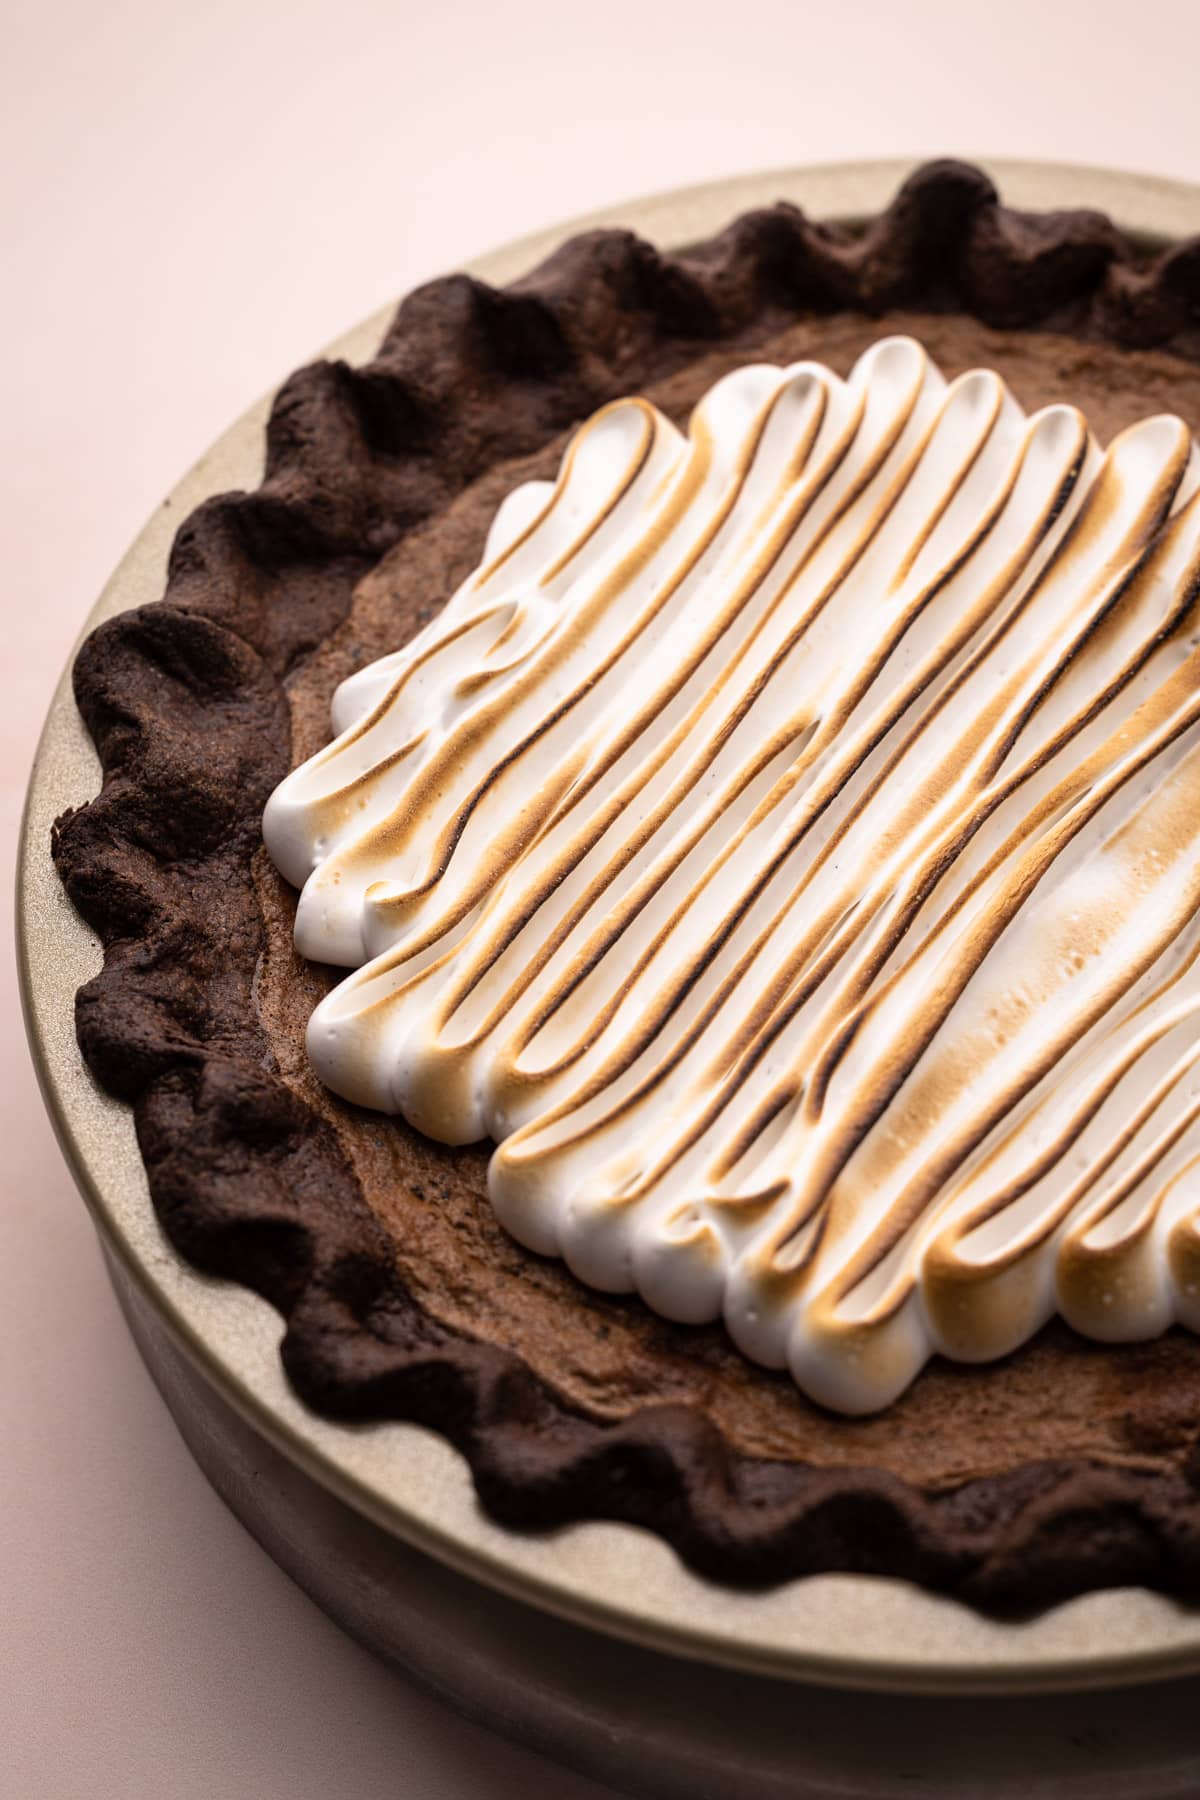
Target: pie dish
x=1065 y=1468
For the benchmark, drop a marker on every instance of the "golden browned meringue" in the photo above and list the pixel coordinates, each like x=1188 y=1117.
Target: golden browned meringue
x=786 y=845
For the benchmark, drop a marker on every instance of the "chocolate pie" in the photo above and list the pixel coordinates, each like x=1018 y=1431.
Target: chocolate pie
x=714 y=1031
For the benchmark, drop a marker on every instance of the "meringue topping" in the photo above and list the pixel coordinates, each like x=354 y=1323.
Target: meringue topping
x=786 y=847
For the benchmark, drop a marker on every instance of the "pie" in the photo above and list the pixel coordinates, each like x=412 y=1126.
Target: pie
x=1062 y=1464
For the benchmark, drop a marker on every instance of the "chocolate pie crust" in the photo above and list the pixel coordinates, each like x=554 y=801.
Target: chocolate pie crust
x=1069 y=1465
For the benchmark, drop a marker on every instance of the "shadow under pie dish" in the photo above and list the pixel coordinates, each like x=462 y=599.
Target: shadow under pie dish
x=1067 y=1466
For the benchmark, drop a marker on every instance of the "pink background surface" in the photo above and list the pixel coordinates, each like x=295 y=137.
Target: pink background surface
x=193 y=200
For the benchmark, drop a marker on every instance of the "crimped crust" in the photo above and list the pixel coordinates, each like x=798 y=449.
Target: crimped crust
x=257 y=1175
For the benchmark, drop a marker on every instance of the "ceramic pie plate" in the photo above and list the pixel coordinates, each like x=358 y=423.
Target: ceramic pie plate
x=210 y=1341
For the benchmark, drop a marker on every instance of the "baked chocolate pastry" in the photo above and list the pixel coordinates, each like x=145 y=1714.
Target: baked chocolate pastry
x=1065 y=1465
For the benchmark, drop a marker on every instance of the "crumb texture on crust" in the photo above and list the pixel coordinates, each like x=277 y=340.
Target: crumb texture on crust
x=187 y=701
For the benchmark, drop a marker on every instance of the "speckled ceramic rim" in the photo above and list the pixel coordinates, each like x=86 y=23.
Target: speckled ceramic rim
x=844 y=1630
